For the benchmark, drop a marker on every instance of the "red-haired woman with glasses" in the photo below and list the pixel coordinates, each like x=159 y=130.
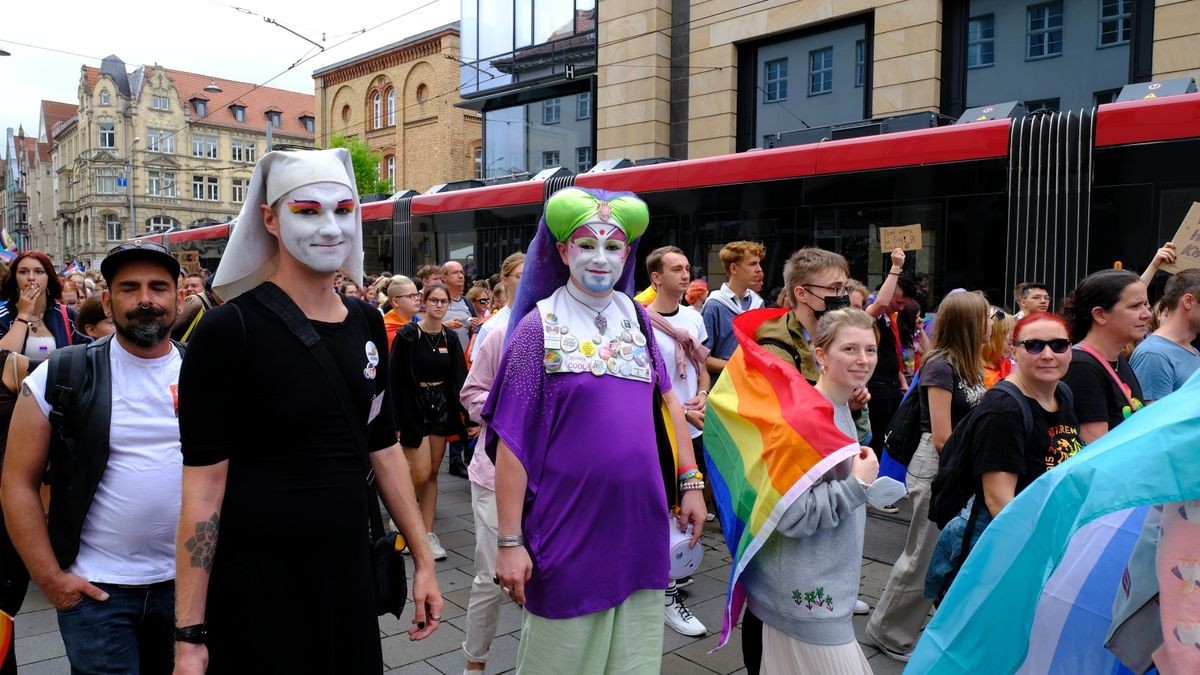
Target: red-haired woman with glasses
x=1005 y=458
x=32 y=322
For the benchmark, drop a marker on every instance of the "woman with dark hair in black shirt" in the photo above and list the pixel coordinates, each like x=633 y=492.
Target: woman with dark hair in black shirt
x=428 y=372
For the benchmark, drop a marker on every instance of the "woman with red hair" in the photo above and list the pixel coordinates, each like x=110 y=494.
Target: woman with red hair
x=32 y=321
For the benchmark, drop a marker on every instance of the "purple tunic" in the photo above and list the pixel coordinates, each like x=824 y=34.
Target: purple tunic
x=595 y=518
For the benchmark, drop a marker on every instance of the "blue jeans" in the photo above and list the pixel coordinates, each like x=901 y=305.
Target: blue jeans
x=131 y=632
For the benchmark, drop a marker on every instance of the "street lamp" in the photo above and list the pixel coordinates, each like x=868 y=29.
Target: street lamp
x=129 y=186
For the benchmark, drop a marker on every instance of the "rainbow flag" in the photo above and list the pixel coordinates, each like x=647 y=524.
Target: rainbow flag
x=7 y=242
x=7 y=256
x=6 y=638
x=768 y=437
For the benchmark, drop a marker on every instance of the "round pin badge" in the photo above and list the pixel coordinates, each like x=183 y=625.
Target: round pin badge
x=566 y=329
x=576 y=363
x=613 y=366
x=372 y=354
x=587 y=348
x=639 y=339
x=626 y=336
x=639 y=359
x=596 y=339
x=599 y=367
x=551 y=318
x=627 y=352
x=626 y=368
x=606 y=352
x=552 y=359
x=570 y=343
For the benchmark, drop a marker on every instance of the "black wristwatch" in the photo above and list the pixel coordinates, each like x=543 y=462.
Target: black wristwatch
x=196 y=634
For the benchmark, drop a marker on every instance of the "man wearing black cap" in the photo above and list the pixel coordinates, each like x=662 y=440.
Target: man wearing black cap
x=104 y=416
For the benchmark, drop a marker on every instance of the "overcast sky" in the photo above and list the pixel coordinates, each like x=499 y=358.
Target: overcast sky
x=226 y=39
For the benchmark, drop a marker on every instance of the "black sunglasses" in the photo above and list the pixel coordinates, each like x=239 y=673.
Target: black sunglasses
x=998 y=315
x=1057 y=345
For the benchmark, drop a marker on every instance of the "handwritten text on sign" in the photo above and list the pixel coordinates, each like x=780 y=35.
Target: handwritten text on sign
x=907 y=237
x=1187 y=242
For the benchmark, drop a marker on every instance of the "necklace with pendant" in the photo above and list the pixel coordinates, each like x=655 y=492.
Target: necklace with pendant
x=433 y=341
x=599 y=320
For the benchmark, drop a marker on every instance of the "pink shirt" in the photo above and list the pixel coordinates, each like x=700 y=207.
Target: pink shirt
x=474 y=394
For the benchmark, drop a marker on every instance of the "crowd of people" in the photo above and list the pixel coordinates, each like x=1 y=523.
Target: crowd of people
x=163 y=519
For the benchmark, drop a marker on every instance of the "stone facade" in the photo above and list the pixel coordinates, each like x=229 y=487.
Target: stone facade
x=636 y=73
x=400 y=99
x=155 y=149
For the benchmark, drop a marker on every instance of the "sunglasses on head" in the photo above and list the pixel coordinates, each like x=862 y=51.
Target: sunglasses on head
x=998 y=315
x=1057 y=345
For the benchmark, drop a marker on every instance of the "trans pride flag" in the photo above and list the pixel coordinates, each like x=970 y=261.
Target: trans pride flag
x=1036 y=592
x=768 y=436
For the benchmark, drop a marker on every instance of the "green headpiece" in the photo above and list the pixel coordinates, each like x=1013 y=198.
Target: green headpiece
x=569 y=208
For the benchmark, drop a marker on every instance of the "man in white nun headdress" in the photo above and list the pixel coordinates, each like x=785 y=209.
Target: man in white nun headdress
x=281 y=418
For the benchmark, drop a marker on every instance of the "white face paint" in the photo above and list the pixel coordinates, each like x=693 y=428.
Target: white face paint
x=317 y=225
x=596 y=253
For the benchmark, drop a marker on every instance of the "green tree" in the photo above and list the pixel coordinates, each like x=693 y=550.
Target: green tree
x=366 y=166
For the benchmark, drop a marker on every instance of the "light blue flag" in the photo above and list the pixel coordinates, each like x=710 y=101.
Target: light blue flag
x=985 y=625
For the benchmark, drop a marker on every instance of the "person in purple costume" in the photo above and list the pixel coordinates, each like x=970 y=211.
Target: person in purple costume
x=583 y=513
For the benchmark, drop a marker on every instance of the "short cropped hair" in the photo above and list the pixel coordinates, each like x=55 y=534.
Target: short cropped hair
x=654 y=261
x=808 y=261
x=1184 y=283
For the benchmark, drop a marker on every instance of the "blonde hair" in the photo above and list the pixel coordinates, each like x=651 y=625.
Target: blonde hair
x=809 y=261
x=1002 y=327
x=832 y=322
x=510 y=264
x=398 y=281
x=736 y=251
x=958 y=334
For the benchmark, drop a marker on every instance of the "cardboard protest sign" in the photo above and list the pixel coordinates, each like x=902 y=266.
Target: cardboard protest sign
x=1187 y=242
x=907 y=237
x=188 y=260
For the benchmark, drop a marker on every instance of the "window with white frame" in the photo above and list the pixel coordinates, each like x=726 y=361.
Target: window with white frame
x=860 y=63
x=205 y=146
x=776 y=80
x=159 y=102
x=981 y=48
x=377 y=110
x=820 y=71
x=160 y=140
x=206 y=188
x=549 y=159
x=160 y=183
x=108 y=135
x=583 y=106
x=551 y=111
x=242 y=151
x=160 y=223
x=478 y=157
x=112 y=227
x=103 y=97
x=1044 y=30
x=391 y=171
x=391 y=107
x=1116 y=22
x=238 y=186
x=106 y=181
x=583 y=158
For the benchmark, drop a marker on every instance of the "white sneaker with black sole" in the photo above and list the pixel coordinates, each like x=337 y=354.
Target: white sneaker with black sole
x=861 y=607
x=435 y=546
x=681 y=620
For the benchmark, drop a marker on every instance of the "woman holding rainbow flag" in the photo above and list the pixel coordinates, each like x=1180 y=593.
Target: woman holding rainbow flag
x=582 y=510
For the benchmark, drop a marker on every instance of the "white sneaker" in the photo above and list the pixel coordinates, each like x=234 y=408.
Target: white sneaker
x=681 y=620
x=435 y=546
x=861 y=607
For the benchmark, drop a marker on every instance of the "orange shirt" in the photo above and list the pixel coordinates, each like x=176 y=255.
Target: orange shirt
x=392 y=323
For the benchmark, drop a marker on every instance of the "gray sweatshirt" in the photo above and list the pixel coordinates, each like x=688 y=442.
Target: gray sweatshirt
x=804 y=580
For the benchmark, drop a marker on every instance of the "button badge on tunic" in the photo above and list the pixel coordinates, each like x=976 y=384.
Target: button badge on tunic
x=553 y=360
x=551 y=318
x=639 y=339
x=627 y=352
x=599 y=367
x=587 y=348
x=576 y=363
x=570 y=343
x=613 y=368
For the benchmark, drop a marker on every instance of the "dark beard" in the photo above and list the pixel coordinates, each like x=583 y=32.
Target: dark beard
x=144 y=327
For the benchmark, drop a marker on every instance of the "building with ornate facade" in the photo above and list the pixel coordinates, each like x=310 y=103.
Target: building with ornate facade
x=399 y=100
x=154 y=149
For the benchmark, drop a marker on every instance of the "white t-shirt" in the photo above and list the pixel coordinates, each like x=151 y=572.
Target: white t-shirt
x=129 y=533
x=500 y=318
x=459 y=309
x=691 y=321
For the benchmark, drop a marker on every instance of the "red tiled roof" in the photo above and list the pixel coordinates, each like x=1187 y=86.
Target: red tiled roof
x=53 y=113
x=43 y=151
x=256 y=101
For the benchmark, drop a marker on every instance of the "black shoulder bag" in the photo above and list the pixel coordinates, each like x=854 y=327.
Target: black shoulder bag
x=387 y=563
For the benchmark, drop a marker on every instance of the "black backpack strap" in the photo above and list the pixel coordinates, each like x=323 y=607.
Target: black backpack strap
x=791 y=350
x=65 y=373
x=1019 y=396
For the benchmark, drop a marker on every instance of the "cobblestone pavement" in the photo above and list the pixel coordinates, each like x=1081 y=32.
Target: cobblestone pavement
x=40 y=649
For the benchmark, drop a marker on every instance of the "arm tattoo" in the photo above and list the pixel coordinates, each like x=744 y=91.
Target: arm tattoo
x=25 y=390
x=203 y=546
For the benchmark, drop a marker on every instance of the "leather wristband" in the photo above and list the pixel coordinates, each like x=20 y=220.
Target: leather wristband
x=196 y=634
